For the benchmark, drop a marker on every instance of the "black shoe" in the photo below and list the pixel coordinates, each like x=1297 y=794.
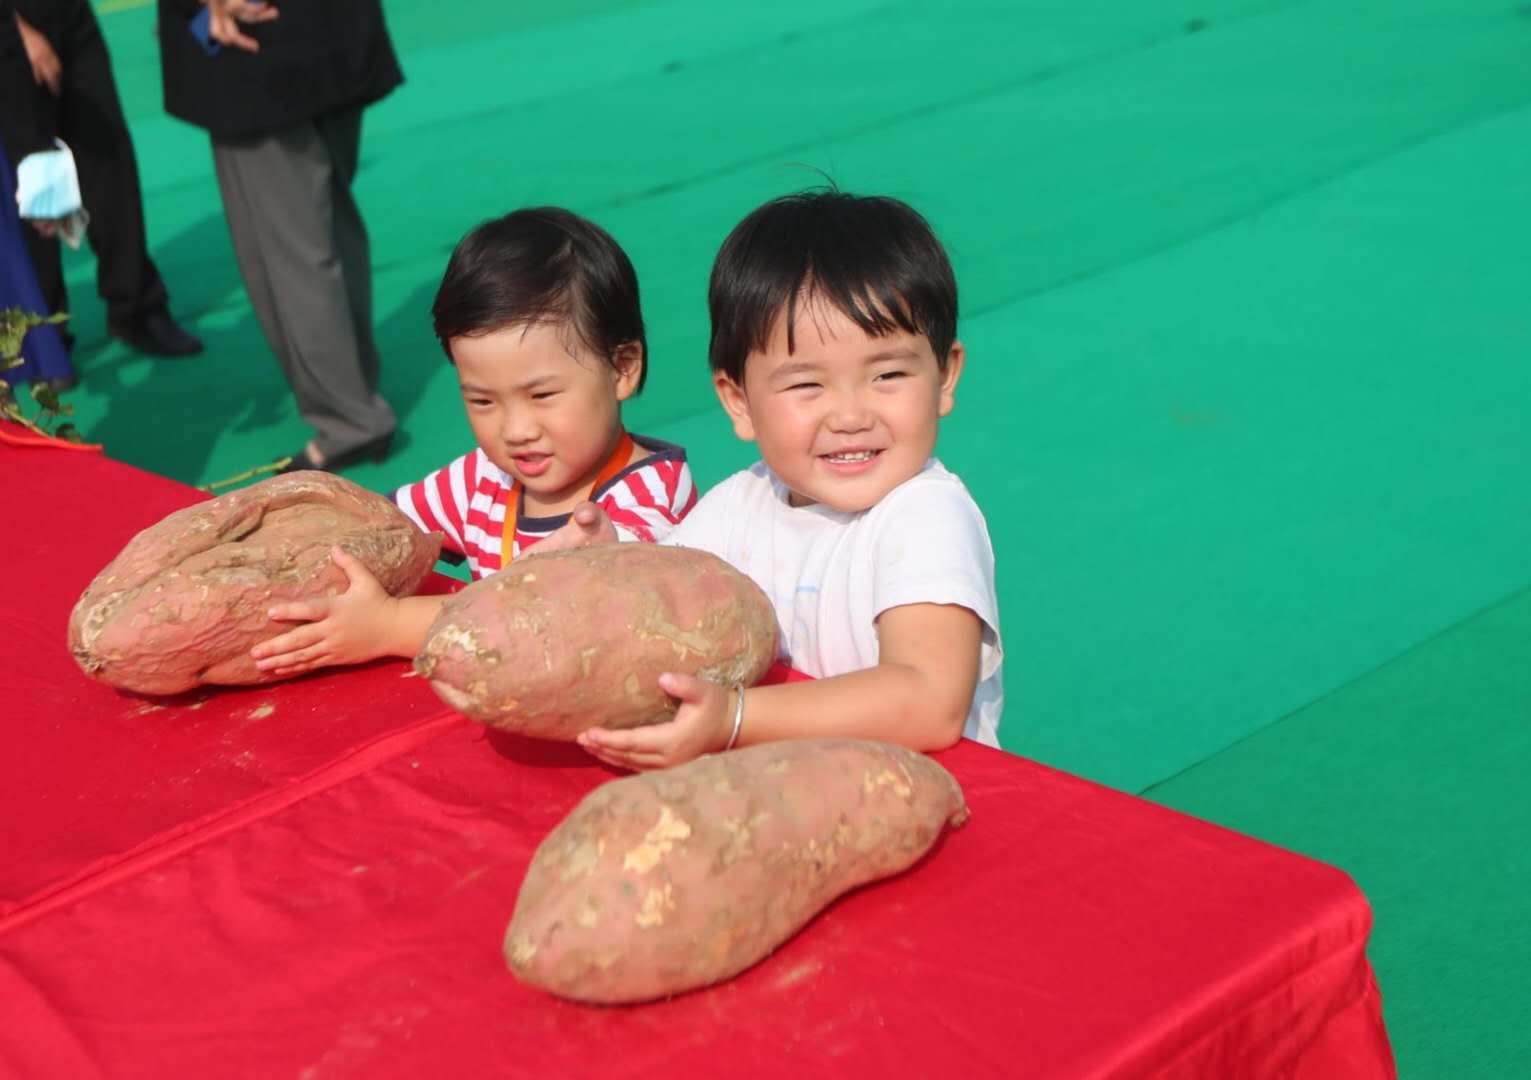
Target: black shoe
x=63 y=382
x=376 y=450
x=155 y=333
x=58 y=385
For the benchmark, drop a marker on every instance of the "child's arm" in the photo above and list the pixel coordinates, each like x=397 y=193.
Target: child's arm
x=918 y=696
x=362 y=623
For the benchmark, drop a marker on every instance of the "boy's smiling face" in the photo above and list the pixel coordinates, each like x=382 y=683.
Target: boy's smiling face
x=845 y=417
x=544 y=408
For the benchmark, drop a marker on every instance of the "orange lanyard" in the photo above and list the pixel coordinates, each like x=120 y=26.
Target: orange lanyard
x=614 y=464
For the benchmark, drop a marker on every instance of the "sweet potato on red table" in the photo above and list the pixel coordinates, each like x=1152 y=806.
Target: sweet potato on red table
x=672 y=880
x=568 y=640
x=185 y=601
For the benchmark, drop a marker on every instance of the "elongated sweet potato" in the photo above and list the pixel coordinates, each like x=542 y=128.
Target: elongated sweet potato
x=569 y=640
x=671 y=880
x=186 y=599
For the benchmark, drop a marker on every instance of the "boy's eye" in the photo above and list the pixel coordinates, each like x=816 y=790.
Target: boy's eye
x=543 y=395
x=885 y=376
x=804 y=386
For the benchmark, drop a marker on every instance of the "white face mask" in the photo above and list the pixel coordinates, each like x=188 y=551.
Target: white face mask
x=48 y=188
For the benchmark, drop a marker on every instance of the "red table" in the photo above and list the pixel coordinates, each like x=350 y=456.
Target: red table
x=312 y=880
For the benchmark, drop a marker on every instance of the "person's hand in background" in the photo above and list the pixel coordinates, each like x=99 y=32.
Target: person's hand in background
x=225 y=17
x=46 y=68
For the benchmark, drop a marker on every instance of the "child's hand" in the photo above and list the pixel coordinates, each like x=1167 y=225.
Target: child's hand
x=701 y=726
x=587 y=524
x=344 y=629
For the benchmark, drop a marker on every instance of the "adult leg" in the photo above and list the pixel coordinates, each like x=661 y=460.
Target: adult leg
x=341 y=132
x=91 y=122
x=278 y=196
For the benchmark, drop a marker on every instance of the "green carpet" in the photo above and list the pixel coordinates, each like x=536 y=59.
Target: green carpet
x=1245 y=298
x=1412 y=778
x=1240 y=472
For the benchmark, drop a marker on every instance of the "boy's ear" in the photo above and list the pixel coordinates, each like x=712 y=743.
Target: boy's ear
x=735 y=404
x=628 y=362
x=954 y=359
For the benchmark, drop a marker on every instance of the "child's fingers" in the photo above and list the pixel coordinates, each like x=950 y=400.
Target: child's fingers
x=649 y=739
x=616 y=761
x=624 y=760
x=299 y=611
x=277 y=664
x=355 y=570
x=304 y=636
x=603 y=739
x=297 y=658
x=686 y=688
x=653 y=746
x=592 y=520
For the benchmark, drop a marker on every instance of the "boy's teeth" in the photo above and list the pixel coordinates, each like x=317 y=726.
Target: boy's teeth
x=859 y=455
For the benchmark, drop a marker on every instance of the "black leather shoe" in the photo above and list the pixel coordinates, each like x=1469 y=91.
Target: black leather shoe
x=63 y=382
x=156 y=334
x=376 y=450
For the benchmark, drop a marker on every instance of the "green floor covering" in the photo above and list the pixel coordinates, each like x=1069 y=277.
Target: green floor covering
x=1413 y=779
x=1245 y=296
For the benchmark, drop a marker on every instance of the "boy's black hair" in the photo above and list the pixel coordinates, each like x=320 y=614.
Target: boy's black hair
x=873 y=257
x=537 y=264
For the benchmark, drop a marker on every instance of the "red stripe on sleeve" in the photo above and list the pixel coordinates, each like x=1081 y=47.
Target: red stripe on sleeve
x=632 y=521
x=643 y=497
x=428 y=518
x=455 y=511
x=669 y=474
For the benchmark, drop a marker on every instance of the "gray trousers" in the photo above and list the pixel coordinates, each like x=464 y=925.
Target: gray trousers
x=302 y=250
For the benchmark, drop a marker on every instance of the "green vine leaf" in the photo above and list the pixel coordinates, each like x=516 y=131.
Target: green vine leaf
x=14 y=324
x=45 y=396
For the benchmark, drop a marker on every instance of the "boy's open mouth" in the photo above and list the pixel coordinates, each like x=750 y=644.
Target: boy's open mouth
x=850 y=458
x=533 y=464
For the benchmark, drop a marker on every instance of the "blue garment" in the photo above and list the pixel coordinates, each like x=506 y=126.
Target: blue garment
x=42 y=350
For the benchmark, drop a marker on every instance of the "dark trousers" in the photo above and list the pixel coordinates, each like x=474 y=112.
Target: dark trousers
x=303 y=253
x=88 y=117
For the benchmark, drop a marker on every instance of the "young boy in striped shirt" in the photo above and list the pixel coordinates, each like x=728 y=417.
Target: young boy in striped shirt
x=538 y=311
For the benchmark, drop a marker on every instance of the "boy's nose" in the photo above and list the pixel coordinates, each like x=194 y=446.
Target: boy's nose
x=850 y=413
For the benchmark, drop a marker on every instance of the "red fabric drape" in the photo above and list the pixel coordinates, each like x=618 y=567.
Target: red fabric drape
x=313 y=879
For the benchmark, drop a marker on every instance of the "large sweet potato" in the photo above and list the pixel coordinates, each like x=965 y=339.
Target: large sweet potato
x=187 y=598
x=671 y=880
x=564 y=641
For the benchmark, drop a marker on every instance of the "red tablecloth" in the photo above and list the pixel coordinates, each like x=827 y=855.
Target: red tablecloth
x=313 y=880
x=97 y=774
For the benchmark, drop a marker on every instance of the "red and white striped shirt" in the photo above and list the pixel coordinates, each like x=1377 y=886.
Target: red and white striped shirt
x=465 y=502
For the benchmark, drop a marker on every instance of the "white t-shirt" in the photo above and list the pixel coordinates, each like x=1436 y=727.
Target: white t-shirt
x=829 y=574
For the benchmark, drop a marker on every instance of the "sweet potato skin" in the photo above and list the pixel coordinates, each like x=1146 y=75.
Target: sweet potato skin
x=186 y=599
x=559 y=642
x=672 y=880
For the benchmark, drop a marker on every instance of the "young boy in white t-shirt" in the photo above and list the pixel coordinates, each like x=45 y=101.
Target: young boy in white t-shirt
x=834 y=349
